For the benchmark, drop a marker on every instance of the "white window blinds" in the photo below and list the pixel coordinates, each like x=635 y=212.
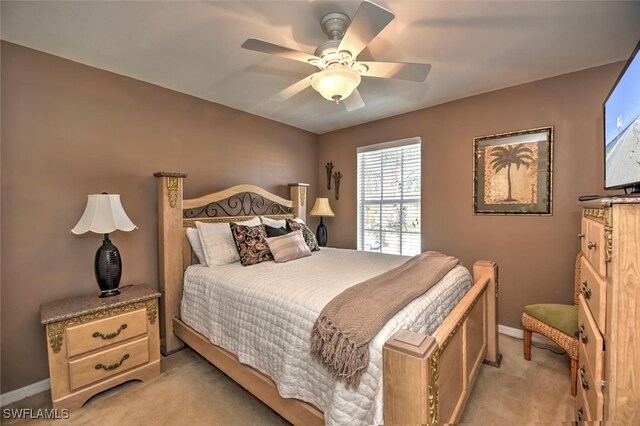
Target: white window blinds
x=389 y=197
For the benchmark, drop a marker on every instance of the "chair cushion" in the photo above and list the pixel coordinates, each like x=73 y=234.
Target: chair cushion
x=562 y=317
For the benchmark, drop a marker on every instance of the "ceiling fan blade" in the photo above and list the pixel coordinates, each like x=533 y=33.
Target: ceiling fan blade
x=367 y=23
x=397 y=70
x=354 y=101
x=274 y=49
x=292 y=90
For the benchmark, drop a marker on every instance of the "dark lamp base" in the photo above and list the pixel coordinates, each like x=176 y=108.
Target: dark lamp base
x=321 y=234
x=108 y=268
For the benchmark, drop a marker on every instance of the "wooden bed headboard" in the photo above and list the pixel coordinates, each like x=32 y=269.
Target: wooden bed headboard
x=175 y=214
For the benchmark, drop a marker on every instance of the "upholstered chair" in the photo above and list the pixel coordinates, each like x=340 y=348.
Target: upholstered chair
x=558 y=323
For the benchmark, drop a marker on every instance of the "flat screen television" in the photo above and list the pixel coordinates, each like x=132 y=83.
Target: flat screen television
x=622 y=130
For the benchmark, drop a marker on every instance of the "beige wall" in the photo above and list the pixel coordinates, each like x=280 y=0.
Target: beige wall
x=69 y=130
x=535 y=254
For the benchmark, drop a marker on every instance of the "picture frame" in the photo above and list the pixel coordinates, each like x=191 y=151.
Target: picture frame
x=513 y=173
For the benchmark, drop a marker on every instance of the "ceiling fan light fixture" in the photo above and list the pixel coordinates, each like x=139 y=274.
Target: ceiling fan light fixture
x=335 y=84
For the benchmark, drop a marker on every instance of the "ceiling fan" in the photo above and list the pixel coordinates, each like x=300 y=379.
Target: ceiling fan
x=340 y=71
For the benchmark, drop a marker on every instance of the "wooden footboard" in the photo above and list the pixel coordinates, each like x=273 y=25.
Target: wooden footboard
x=428 y=380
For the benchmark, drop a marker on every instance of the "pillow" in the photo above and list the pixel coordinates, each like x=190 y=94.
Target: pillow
x=217 y=242
x=275 y=232
x=309 y=237
x=288 y=247
x=251 y=243
x=274 y=223
x=196 y=245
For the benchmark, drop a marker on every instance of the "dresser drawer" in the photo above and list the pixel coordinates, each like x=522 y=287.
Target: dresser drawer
x=99 y=334
x=582 y=406
x=590 y=341
x=592 y=392
x=96 y=367
x=593 y=245
x=594 y=290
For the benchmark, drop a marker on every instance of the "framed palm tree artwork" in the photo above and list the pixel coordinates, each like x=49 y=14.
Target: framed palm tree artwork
x=512 y=173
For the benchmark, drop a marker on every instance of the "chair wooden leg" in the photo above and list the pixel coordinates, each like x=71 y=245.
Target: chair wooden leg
x=527 y=344
x=574 y=376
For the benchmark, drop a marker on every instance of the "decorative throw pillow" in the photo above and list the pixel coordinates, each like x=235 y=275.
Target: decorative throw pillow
x=217 y=242
x=251 y=243
x=281 y=223
x=275 y=232
x=196 y=245
x=288 y=247
x=309 y=237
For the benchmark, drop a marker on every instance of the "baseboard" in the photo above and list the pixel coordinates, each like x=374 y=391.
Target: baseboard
x=519 y=334
x=25 y=392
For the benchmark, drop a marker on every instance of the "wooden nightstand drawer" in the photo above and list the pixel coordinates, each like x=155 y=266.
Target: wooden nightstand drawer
x=99 y=334
x=590 y=346
x=108 y=363
x=594 y=290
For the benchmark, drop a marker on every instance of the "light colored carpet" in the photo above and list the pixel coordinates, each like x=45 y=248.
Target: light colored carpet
x=190 y=391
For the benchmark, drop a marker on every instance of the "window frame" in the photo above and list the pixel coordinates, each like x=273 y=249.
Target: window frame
x=381 y=201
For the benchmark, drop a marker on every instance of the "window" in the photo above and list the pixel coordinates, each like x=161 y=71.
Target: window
x=389 y=197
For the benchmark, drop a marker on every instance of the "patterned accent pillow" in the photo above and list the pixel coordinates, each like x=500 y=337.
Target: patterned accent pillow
x=251 y=243
x=288 y=247
x=309 y=237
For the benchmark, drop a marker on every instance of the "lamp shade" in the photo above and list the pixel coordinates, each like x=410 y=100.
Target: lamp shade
x=337 y=83
x=103 y=215
x=321 y=208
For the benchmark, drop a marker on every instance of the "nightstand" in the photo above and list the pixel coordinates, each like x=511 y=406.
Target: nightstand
x=95 y=344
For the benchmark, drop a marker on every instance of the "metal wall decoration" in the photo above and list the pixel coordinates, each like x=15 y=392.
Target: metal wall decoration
x=336 y=178
x=245 y=203
x=329 y=167
x=512 y=173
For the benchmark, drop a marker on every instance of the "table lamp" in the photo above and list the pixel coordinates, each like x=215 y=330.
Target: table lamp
x=321 y=208
x=104 y=214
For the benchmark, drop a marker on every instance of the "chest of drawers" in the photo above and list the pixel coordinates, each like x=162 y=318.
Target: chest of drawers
x=94 y=344
x=609 y=312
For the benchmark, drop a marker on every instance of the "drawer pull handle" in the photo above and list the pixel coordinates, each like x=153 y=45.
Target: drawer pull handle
x=591 y=245
x=586 y=291
x=112 y=366
x=585 y=384
x=580 y=236
x=583 y=335
x=110 y=335
x=580 y=414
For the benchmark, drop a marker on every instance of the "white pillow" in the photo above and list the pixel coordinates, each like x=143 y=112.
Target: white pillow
x=272 y=222
x=217 y=242
x=298 y=219
x=194 y=239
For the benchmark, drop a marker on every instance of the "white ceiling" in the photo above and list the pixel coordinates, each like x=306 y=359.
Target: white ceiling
x=194 y=47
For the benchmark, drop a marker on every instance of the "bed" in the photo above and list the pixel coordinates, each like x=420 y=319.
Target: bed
x=425 y=380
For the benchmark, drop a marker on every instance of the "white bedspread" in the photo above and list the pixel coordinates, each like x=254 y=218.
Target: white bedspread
x=265 y=313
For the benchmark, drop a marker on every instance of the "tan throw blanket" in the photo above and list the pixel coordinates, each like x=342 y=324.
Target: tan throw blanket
x=341 y=335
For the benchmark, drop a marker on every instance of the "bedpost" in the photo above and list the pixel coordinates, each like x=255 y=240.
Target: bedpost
x=488 y=269
x=170 y=267
x=299 y=198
